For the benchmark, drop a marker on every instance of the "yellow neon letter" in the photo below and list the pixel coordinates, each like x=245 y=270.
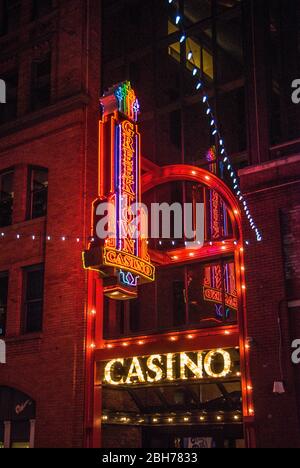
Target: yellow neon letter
x=187 y=363
x=155 y=368
x=135 y=371
x=109 y=371
x=208 y=363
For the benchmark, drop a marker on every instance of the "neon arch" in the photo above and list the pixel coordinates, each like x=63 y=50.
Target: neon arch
x=157 y=176
x=163 y=175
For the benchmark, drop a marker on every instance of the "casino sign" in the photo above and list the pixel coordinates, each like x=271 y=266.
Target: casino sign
x=197 y=365
x=122 y=258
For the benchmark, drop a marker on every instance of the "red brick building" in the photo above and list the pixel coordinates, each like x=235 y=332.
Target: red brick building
x=49 y=142
x=60 y=330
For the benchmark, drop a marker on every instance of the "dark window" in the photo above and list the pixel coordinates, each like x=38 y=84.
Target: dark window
x=179 y=307
x=8 y=111
x=3 y=301
x=114 y=318
x=6 y=198
x=41 y=83
x=41 y=8
x=9 y=16
x=33 y=299
x=175 y=128
x=38 y=193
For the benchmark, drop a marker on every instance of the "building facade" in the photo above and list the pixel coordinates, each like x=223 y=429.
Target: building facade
x=192 y=358
x=50 y=63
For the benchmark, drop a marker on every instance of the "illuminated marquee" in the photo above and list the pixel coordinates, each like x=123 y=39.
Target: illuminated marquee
x=199 y=365
x=123 y=255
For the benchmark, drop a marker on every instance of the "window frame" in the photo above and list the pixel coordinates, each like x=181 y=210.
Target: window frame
x=5 y=274
x=31 y=192
x=35 y=103
x=7 y=9
x=10 y=170
x=11 y=106
x=26 y=302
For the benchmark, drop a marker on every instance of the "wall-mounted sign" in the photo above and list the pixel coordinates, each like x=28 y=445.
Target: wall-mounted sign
x=122 y=255
x=199 y=365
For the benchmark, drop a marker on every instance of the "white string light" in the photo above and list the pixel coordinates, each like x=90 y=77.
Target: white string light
x=215 y=130
x=49 y=238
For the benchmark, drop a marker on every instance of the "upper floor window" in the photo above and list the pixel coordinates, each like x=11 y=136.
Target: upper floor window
x=6 y=198
x=33 y=299
x=9 y=15
x=38 y=192
x=9 y=110
x=3 y=301
x=198 y=295
x=41 y=83
x=41 y=8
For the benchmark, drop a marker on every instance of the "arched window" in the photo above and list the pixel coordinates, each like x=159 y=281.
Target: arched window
x=17 y=419
x=197 y=289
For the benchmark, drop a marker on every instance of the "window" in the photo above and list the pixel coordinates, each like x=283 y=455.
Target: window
x=9 y=16
x=9 y=110
x=175 y=128
x=201 y=58
x=6 y=198
x=41 y=83
x=38 y=193
x=41 y=8
x=17 y=428
x=3 y=302
x=33 y=299
x=198 y=295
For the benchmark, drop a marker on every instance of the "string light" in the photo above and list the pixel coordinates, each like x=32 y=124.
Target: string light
x=215 y=130
x=43 y=236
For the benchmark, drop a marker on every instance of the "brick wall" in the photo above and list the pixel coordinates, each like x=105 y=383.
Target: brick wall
x=272 y=189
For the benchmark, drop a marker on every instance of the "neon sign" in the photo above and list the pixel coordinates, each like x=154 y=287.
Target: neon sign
x=123 y=255
x=216 y=296
x=131 y=263
x=199 y=365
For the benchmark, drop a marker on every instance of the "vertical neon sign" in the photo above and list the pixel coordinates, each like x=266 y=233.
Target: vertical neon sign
x=123 y=258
